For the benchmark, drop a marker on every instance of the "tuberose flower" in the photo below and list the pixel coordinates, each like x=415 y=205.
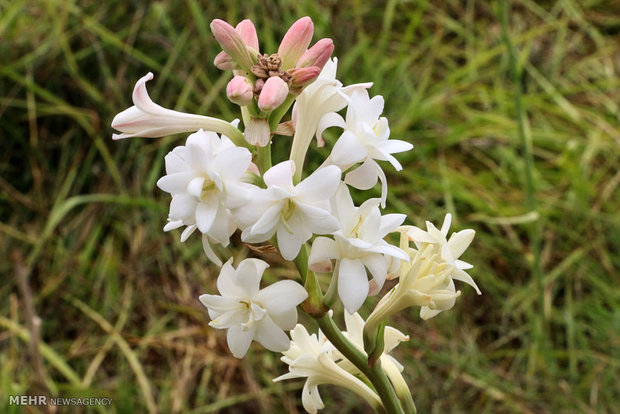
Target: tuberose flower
x=252 y=314
x=365 y=139
x=292 y=212
x=313 y=358
x=449 y=250
x=357 y=246
x=149 y=120
x=203 y=177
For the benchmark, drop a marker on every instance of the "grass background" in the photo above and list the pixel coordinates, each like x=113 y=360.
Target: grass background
x=526 y=152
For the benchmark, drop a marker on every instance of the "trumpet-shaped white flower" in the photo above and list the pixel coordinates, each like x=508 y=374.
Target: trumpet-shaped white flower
x=313 y=358
x=149 y=120
x=365 y=139
x=323 y=96
x=252 y=314
x=294 y=213
x=203 y=177
x=357 y=246
x=449 y=250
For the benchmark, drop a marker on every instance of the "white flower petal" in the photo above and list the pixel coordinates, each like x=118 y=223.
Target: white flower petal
x=348 y=150
x=268 y=221
x=226 y=282
x=271 y=336
x=460 y=241
x=282 y=296
x=239 y=340
x=206 y=247
x=418 y=235
x=378 y=266
x=317 y=219
x=363 y=177
x=352 y=284
x=323 y=249
x=206 y=211
x=188 y=232
x=248 y=275
x=289 y=243
x=285 y=320
x=320 y=185
x=280 y=175
x=445 y=227
x=174 y=183
x=458 y=274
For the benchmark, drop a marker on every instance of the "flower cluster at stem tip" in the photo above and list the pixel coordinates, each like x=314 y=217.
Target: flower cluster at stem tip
x=222 y=180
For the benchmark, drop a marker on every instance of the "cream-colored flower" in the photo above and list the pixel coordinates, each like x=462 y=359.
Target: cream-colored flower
x=313 y=358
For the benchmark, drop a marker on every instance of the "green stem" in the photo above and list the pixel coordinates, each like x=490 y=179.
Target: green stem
x=332 y=291
x=280 y=111
x=375 y=374
x=263 y=158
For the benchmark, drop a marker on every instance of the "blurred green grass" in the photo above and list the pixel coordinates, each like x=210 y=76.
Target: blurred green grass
x=81 y=218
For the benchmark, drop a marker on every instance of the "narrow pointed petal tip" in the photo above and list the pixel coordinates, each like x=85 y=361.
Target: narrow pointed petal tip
x=273 y=94
x=296 y=42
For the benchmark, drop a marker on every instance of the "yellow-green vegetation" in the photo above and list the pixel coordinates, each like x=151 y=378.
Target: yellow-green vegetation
x=514 y=113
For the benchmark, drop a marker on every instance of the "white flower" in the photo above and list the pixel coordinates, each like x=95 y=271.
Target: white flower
x=426 y=282
x=365 y=139
x=313 y=358
x=204 y=179
x=294 y=213
x=323 y=96
x=357 y=246
x=149 y=120
x=449 y=250
x=252 y=314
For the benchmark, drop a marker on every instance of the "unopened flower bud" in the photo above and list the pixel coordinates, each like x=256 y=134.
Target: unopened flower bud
x=231 y=42
x=317 y=55
x=301 y=77
x=274 y=92
x=296 y=42
x=240 y=91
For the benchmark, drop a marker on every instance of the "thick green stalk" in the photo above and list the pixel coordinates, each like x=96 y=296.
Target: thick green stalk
x=263 y=158
x=332 y=291
x=276 y=116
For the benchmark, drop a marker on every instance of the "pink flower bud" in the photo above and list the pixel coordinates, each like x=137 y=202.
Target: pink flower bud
x=273 y=94
x=246 y=30
x=295 y=42
x=232 y=43
x=317 y=55
x=239 y=91
x=223 y=61
x=303 y=76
